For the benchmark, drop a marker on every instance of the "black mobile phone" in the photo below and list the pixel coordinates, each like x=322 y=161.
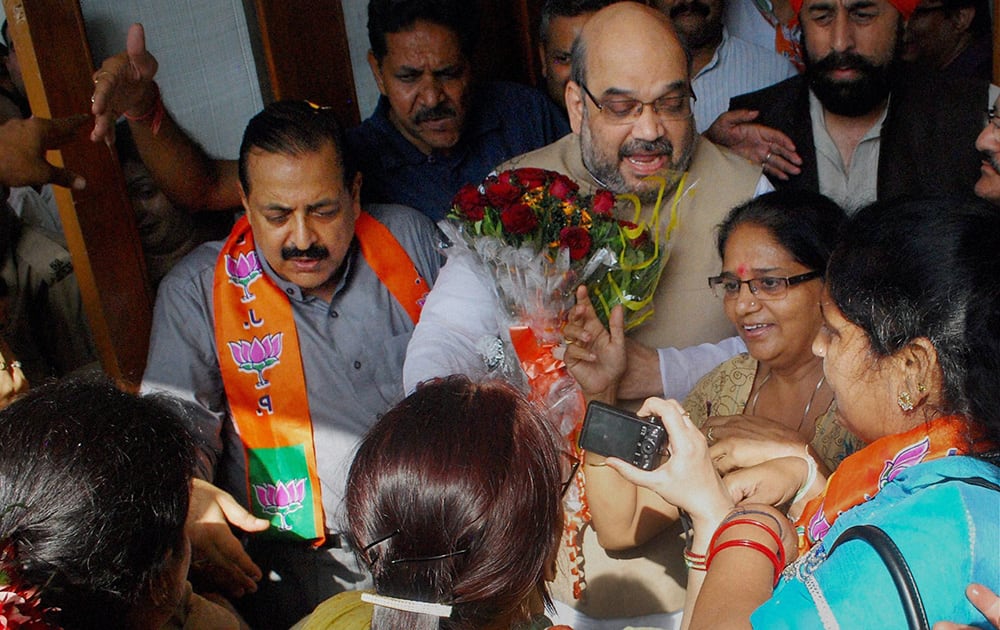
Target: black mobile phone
x=614 y=432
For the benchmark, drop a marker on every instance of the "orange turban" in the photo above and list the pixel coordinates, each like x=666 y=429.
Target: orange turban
x=905 y=7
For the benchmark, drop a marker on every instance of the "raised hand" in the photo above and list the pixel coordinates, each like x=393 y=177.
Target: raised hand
x=123 y=84
x=594 y=355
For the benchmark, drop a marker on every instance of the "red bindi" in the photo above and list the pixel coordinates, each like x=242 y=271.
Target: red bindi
x=742 y=270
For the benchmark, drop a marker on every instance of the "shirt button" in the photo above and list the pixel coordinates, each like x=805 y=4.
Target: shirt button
x=334 y=314
x=290 y=291
x=357 y=365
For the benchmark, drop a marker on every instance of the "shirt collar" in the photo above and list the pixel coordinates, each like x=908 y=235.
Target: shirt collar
x=714 y=61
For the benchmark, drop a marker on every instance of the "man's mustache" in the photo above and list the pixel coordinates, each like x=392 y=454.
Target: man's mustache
x=993 y=159
x=315 y=252
x=844 y=61
x=441 y=111
x=658 y=146
x=695 y=7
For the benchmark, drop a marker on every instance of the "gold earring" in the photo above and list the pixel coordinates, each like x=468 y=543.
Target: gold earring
x=921 y=388
x=905 y=401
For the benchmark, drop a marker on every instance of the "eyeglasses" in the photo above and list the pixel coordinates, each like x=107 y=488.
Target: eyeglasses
x=993 y=122
x=765 y=288
x=621 y=109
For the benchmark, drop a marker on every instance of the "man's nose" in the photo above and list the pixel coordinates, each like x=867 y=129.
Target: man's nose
x=842 y=39
x=431 y=91
x=649 y=124
x=303 y=236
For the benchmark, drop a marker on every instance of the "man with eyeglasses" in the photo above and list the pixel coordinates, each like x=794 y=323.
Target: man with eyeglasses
x=988 y=143
x=630 y=145
x=629 y=101
x=860 y=126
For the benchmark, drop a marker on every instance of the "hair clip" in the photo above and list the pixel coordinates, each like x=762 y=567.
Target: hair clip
x=430 y=558
x=408 y=605
x=381 y=540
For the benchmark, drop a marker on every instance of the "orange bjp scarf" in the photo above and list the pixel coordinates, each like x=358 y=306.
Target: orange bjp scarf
x=863 y=474
x=261 y=366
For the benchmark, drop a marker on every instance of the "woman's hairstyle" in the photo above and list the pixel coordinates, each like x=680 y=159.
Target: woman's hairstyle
x=94 y=489
x=929 y=268
x=454 y=498
x=805 y=223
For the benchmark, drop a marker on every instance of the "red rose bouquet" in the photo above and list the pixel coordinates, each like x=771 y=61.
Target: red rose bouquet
x=542 y=238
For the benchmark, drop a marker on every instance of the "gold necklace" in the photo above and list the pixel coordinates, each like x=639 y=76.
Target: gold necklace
x=805 y=413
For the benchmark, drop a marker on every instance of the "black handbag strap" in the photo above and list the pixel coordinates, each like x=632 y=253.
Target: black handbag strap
x=913 y=604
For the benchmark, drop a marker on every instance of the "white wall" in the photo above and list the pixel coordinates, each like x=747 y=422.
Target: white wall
x=356 y=23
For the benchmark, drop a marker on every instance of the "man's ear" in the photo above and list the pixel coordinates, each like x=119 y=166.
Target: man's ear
x=244 y=199
x=376 y=67
x=356 y=193
x=575 y=105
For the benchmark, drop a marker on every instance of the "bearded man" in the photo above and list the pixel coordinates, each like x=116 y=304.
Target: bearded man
x=866 y=129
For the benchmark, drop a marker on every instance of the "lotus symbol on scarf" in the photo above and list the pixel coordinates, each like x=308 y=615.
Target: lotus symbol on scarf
x=257 y=355
x=281 y=499
x=905 y=458
x=243 y=271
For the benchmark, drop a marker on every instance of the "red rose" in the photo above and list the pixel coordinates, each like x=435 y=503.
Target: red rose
x=519 y=219
x=502 y=193
x=604 y=201
x=638 y=241
x=531 y=177
x=577 y=240
x=470 y=202
x=504 y=178
x=562 y=187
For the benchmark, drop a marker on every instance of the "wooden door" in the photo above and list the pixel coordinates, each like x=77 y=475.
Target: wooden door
x=305 y=50
x=99 y=223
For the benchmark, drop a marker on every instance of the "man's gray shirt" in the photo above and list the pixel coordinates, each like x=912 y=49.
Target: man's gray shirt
x=352 y=355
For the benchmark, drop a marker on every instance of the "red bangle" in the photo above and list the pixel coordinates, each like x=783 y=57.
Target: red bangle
x=749 y=544
x=154 y=115
x=750 y=521
x=695 y=561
